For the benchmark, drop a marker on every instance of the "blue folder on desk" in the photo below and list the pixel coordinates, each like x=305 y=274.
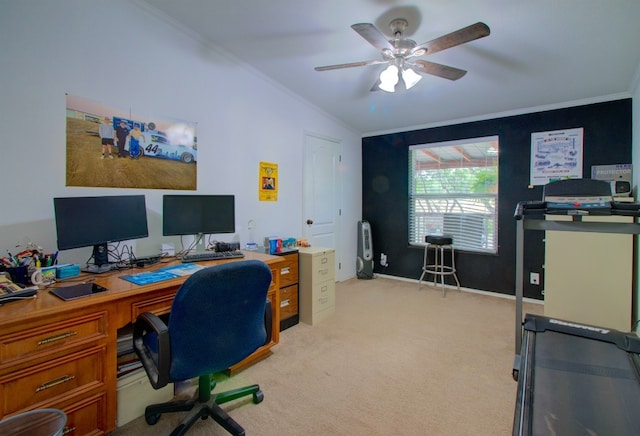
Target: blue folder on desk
x=162 y=274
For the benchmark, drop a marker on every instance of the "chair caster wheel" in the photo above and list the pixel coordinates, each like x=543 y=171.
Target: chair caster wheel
x=258 y=397
x=151 y=418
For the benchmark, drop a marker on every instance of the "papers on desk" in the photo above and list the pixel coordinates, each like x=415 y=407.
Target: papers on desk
x=162 y=274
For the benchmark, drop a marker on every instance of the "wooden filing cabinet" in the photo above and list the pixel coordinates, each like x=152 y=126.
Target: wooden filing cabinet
x=317 y=284
x=289 y=314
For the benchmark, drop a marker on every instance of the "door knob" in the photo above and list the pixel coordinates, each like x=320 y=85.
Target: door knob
x=309 y=222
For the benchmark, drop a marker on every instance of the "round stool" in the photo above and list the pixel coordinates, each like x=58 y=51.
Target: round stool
x=40 y=422
x=438 y=267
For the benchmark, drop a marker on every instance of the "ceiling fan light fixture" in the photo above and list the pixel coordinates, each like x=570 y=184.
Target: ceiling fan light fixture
x=400 y=51
x=410 y=77
x=389 y=79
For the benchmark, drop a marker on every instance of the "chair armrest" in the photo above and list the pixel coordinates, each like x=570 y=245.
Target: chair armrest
x=151 y=336
x=268 y=321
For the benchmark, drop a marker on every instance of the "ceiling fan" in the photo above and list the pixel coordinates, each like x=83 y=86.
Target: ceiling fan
x=400 y=53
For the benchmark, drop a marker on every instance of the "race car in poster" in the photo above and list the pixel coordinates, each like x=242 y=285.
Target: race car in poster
x=157 y=144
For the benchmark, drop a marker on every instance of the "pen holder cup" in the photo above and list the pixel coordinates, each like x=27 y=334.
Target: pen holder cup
x=19 y=274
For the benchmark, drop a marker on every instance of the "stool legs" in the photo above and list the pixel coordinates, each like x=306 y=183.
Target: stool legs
x=438 y=268
x=453 y=268
x=425 y=266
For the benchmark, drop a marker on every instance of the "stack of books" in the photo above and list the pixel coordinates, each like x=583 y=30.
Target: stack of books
x=128 y=361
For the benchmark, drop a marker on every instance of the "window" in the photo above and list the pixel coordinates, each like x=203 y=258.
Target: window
x=453 y=190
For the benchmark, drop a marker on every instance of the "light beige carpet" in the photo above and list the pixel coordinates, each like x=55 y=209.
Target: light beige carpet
x=396 y=358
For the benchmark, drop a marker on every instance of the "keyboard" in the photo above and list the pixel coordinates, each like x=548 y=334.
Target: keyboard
x=212 y=255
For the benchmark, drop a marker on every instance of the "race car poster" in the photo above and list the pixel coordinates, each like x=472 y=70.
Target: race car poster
x=268 y=182
x=556 y=155
x=110 y=147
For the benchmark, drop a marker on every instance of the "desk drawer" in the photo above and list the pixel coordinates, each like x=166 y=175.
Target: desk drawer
x=275 y=281
x=86 y=416
x=158 y=306
x=52 y=337
x=53 y=380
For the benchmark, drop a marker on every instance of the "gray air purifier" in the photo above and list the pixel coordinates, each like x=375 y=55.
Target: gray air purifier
x=364 y=262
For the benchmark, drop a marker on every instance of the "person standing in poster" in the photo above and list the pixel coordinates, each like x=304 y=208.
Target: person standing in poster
x=122 y=131
x=106 y=136
x=134 y=141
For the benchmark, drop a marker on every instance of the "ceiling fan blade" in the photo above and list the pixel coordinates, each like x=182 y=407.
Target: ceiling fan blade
x=349 y=65
x=461 y=36
x=371 y=33
x=438 y=70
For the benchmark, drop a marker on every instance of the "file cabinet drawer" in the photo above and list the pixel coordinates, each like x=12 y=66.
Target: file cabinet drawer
x=289 y=271
x=323 y=267
x=288 y=301
x=78 y=372
x=39 y=341
x=324 y=295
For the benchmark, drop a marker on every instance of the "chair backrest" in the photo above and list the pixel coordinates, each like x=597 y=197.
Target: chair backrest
x=217 y=318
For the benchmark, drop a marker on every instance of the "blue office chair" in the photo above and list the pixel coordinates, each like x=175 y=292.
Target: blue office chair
x=219 y=316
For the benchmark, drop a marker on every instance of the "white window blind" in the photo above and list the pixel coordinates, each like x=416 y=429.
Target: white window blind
x=453 y=190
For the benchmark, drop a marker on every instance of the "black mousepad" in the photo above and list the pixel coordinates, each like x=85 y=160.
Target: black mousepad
x=77 y=291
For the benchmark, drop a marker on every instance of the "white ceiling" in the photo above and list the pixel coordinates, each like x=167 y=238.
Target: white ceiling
x=540 y=53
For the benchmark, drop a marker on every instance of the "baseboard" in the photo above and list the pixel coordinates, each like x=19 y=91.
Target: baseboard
x=463 y=289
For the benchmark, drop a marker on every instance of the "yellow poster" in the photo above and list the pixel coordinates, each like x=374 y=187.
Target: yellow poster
x=268 y=182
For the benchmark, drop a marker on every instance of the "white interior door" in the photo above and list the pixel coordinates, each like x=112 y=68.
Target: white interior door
x=322 y=187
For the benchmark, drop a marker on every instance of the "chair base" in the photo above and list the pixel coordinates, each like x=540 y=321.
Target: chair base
x=203 y=406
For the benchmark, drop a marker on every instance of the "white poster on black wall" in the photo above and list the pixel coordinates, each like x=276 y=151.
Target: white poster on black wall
x=556 y=155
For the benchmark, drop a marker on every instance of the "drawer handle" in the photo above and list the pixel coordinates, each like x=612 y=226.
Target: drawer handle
x=323 y=289
x=324 y=299
x=68 y=430
x=323 y=271
x=324 y=260
x=56 y=382
x=56 y=338
x=285 y=270
x=284 y=303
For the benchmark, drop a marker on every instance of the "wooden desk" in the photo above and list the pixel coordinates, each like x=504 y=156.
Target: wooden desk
x=62 y=354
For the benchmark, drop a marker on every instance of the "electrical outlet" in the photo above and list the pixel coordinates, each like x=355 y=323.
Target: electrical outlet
x=534 y=278
x=383 y=260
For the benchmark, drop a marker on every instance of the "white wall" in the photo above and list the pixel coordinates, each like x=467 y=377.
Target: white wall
x=118 y=53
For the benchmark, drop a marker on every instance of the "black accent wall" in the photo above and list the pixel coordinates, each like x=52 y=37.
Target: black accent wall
x=385 y=168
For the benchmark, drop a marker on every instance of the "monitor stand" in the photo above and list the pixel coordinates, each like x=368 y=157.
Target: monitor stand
x=97 y=269
x=199 y=246
x=100 y=260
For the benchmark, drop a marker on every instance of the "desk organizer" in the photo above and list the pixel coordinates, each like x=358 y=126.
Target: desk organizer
x=67 y=270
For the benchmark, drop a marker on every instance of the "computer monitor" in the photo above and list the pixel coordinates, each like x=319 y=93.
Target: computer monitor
x=97 y=221
x=198 y=215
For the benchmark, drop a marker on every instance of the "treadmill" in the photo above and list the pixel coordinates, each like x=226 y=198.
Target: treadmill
x=577 y=379
x=573 y=378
